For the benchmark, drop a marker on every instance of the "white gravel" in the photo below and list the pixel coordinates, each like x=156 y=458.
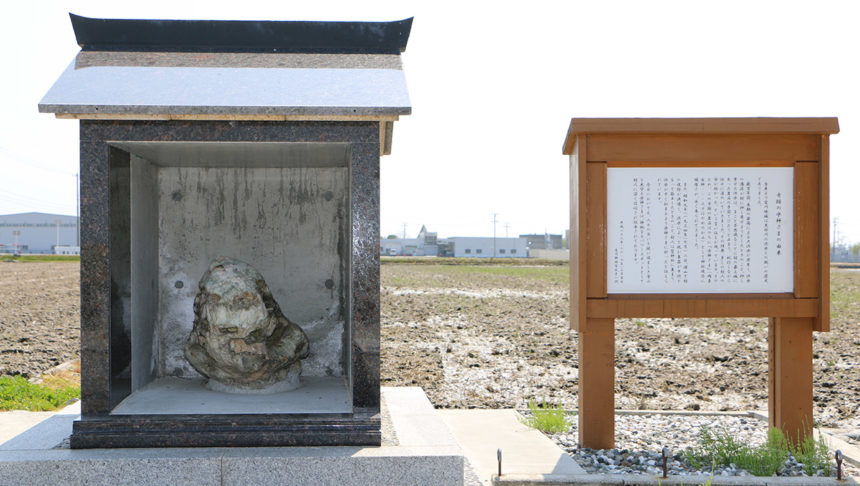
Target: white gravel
x=639 y=440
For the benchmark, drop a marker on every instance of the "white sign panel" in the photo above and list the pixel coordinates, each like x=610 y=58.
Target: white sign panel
x=700 y=230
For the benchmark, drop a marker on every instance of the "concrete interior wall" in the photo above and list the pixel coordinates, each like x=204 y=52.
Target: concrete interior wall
x=281 y=207
x=289 y=223
x=144 y=270
x=285 y=211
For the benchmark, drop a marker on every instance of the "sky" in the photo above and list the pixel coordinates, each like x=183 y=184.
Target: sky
x=493 y=88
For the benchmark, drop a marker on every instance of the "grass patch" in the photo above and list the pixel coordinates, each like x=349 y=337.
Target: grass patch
x=720 y=448
x=40 y=258
x=511 y=262
x=554 y=274
x=468 y=276
x=547 y=418
x=16 y=393
x=844 y=296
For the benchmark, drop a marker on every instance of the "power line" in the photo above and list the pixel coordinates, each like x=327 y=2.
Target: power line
x=30 y=162
x=12 y=197
x=78 y=211
x=29 y=205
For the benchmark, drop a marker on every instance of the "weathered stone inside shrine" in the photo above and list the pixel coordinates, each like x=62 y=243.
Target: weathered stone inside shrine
x=241 y=340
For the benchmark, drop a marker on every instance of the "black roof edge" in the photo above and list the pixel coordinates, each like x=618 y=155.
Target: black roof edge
x=241 y=36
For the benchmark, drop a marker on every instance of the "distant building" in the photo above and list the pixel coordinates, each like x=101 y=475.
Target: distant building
x=426 y=244
x=482 y=247
x=550 y=254
x=429 y=244
x=37 y=232
x=545 y=241
x=67 y=250
x=445 y=248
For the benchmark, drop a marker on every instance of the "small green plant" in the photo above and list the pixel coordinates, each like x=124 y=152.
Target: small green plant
x=719 y=447
x=547 y=418
x=49 y=258
x=16 y=393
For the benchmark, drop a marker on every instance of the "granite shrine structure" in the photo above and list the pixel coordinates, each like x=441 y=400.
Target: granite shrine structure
x=254 y=140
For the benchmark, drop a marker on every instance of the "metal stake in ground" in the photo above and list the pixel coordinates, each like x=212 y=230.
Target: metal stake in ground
x=499 y=455
x=665 y=453
x=838 y=455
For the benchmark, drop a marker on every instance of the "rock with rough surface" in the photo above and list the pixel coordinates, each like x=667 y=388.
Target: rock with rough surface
x=241 y=340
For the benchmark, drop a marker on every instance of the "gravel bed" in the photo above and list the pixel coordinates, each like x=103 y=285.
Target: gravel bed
x=641 y=438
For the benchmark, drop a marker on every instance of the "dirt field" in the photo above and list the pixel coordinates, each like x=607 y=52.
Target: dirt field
x=497 y=336
x=39 y=316
x=476 y=336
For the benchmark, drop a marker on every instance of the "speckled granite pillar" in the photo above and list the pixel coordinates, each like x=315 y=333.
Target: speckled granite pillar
x=95 y=276
x=365 y=274
x=100 y=394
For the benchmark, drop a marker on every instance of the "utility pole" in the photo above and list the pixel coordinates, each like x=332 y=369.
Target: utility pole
x=507 y=225
x=58 y=235
x=494 y=235
x=404 y=231
x=78 y=212
x=835 y=232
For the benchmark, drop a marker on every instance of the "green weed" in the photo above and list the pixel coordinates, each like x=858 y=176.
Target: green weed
x=719 y=447
x=812 y=454
x=547 y=418
x=16 y=393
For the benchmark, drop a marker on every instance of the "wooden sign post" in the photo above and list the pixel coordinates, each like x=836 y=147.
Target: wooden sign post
x=699 y=218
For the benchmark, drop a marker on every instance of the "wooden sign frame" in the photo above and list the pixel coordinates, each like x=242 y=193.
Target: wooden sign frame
x=595 y=144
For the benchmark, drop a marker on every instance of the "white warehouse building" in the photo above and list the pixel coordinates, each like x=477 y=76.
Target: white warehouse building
x=482 y=247
x=425 y=244
x=37 y=232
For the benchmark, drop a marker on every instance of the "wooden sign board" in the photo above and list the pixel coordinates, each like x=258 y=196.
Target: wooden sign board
x=699 y=218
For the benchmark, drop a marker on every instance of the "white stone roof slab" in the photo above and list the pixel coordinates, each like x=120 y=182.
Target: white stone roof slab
x=348 y=85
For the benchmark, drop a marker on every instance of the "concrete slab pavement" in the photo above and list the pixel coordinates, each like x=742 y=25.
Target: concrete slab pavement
x=17 y=421
x=425 y=448
x=419 y=450
x=51 y=426
x=524 y=450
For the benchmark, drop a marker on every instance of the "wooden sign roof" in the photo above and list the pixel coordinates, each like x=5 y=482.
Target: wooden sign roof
x=700 y=126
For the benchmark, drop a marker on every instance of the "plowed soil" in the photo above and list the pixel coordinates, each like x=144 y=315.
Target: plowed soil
x=39 y=316
x=484 y=336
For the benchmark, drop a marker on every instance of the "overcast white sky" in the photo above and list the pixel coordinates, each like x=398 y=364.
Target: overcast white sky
x=493 y=89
